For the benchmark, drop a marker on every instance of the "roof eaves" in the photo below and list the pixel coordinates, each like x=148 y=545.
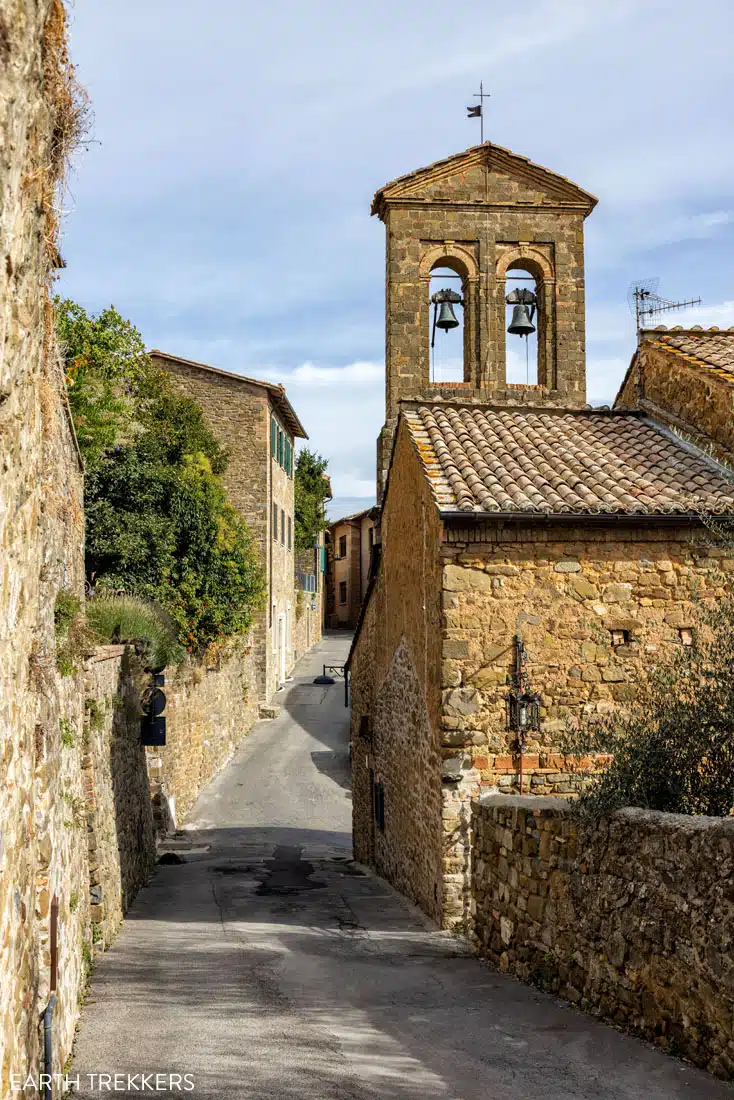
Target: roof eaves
x=275 y=389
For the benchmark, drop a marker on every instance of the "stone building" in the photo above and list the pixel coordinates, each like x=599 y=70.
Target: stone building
x=535 y=554
x=350 y=543
x=258 y=425
x=685 y=379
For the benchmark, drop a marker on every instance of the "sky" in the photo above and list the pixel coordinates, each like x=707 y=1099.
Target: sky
x=222 y=201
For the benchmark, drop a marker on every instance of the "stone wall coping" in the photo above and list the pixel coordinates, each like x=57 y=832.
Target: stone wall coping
x=105 y=653
x=633 y=814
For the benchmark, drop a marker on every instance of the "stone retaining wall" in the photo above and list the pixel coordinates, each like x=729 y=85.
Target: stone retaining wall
x=120 y=830
x=631 y=918
x=208 y=710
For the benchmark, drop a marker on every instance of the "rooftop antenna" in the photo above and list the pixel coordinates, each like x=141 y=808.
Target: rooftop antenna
x=645 y=302
x=477 y=111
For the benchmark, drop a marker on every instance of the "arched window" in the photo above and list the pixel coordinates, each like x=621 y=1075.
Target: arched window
x=521 y=349
x=447 y=344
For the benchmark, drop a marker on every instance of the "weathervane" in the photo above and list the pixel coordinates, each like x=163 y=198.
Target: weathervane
x=477 y=111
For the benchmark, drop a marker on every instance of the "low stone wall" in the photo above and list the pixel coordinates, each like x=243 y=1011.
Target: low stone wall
x=630 y=918
x=307 y=621
x=119 y=814
x=208 y=712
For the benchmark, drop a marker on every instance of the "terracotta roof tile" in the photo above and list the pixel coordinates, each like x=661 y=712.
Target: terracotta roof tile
x=712 y=348
x=482 y=459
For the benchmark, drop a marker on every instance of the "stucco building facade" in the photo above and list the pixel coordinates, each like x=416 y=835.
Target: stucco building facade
x=536 y=555
x=349 y=554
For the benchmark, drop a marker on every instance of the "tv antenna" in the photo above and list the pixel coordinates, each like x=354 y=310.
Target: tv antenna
x=646 y=303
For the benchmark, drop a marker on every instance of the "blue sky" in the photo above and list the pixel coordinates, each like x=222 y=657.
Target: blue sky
x=223 y=204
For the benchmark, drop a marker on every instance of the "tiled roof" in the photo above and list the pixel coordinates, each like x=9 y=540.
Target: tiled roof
x=499 y=157
x=485 y=460
x=711 y=348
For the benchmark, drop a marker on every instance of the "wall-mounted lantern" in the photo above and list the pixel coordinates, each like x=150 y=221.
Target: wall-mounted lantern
x=523 y=705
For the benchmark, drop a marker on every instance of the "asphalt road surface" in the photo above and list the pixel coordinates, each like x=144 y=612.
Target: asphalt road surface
x=267 y=966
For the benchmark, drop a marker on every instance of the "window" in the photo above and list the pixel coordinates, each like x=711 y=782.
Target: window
x=521 y=346
x=447 y=343
x=686 y=635
x=342 y=546
x=281 y=443
x=287 y=462
x=275 y=522
x=273 y=439
x=282 y=526
x=290 y=533
x=342 y=591
x=620 y=637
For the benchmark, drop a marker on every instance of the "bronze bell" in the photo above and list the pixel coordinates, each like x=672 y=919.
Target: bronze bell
x=446 y=317
x=520 y=325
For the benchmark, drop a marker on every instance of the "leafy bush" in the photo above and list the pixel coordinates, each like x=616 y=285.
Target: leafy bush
x=675 y=750
x=311 y=491
x=158 y=522
x=118 y=619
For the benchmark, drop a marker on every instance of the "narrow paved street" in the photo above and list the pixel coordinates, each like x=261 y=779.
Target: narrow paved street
x=269 y=967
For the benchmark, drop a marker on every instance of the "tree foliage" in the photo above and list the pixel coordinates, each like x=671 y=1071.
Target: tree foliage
x=674 y=750
x=311 y=490
x=158 y=523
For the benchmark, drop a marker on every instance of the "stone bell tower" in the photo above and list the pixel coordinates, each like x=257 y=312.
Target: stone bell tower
x=483 y=213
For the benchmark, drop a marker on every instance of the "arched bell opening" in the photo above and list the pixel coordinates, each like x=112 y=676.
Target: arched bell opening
x=523 y=318
x=447 y=327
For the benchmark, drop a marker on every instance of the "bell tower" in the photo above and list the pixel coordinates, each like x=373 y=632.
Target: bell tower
x=488 y=218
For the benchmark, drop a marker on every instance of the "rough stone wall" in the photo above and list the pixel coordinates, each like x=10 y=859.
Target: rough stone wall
x=395 y=675
x=631 y=918
x=120 y=830
x=209 y=711
x=563 y=593
x=693 y=399
x=42 y=833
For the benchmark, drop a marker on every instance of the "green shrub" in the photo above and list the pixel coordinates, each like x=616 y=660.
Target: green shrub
x=66 y=607
x=120 y=619
x=674 y=749
x=67 y=735
x=158 y=523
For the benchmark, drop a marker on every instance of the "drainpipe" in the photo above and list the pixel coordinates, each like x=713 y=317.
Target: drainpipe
x=48 y=1015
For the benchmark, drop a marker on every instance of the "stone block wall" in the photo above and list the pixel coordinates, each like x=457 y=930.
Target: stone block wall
x=120 y=832
x=209 y=710
x=307 y=621
x=631 y=918
x=395 y=670
x=594 y=608
x=693 y=398
x=43 y=847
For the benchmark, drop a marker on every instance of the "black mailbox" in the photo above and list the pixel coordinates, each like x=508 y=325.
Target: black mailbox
x=153 y=724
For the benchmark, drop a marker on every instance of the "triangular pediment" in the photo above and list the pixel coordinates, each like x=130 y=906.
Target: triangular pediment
x=487 y=174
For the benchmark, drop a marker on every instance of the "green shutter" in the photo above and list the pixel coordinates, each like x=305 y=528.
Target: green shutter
x=273 y=438
x=280 y=447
